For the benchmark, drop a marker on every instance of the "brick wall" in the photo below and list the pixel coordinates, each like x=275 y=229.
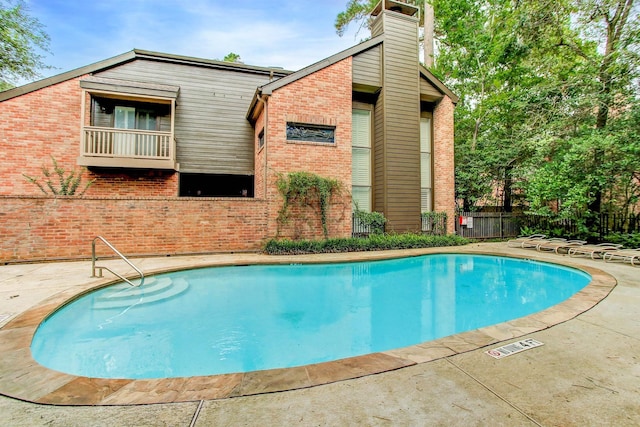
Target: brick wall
x=139 y=211
x=443 y=160
x=322 y=98
x=46 y=123
x=40 y=227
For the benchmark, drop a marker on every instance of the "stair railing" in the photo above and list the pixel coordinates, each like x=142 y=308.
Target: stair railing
x=94 y=267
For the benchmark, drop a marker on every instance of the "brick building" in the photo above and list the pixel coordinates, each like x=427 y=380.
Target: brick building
x=184 y=152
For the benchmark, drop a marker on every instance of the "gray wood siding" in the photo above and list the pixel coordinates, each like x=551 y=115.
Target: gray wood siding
x=401 y=88
x=377 y=27
x=428 y=90
x=367 y=68
x=211 y=129
x=379 y=202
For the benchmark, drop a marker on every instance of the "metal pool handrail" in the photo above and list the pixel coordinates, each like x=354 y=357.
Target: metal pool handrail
x=100 y=268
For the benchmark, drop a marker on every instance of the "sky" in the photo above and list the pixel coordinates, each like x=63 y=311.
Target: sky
x=284 y=33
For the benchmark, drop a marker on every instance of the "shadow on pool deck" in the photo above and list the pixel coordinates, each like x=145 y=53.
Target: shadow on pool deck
x=586 y=373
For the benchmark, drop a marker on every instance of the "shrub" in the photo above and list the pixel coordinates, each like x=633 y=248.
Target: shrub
x=628 y=240
x=372 y=243
x=306 y=189
x=371 y=221
x=67 y=183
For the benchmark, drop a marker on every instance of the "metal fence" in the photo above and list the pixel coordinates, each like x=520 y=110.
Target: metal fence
x=360 y=228
x=497 y=225
x=488 y=225
x=434 y=223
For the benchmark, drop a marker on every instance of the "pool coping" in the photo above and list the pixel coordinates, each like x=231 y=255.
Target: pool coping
x=21 y=377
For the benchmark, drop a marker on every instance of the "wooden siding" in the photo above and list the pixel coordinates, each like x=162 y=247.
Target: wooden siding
x=367 y=70
x=211 y=129
x=401 y=112
x=377 y=27
x=379 y=191
x=428 y=92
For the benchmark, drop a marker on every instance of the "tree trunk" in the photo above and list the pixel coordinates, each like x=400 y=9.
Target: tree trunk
x=507 y=205
x=428 y=34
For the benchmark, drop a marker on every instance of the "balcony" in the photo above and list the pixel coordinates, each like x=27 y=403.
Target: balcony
x=127 y=148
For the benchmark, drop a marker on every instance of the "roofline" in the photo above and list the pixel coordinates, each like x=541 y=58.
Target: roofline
x=138 y=54
x=354 y=50
x=59 y=78
x=214 y=63
x=438 y=84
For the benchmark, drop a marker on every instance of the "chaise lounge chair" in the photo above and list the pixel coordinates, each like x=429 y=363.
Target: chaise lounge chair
x=534 y=243
x=556 y=246
x=594 y=251
x=517 y=243
x=625 y=255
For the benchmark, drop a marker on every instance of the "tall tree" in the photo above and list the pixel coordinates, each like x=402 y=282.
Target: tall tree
x=21 y=38
x=595 y=59
x=482 y=59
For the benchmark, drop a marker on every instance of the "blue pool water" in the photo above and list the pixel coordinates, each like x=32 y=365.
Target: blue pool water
x=246 y=318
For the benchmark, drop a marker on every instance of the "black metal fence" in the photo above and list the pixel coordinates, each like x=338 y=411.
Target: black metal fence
x=434 y=223
x=488 y=225
x=360 y=228
x=497 y=225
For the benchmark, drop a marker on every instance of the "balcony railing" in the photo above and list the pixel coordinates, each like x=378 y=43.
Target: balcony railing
x=110 y=147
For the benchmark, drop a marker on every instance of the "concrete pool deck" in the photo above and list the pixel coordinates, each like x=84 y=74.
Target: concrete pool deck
x=587 y=372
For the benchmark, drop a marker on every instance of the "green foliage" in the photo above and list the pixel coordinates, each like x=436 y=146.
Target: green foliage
x=232 y=57
x=21 y=37
x=372 y=243
x=373 y=221
x=628 y=240
x=305 y=189
x=357 y=10
x=537 y=81
x=529 y=231
x=436 y=222
x=66 y=183
x=588 y=163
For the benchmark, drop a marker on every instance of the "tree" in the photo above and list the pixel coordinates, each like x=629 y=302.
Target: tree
x=232 y=57
x=482 y=59
x=21 y=36
x=536 y=89
x=596 y=64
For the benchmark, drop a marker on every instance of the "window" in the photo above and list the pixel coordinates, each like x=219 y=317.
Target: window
x=310 y=133
x=425 y=165
x=124 y=143
x=361 y=159
x=125 y=114
x=215 y=185
x=261 y=139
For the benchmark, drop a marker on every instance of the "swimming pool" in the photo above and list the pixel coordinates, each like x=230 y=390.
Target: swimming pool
x=238 y=319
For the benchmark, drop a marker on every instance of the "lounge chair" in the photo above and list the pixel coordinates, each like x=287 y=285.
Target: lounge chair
x=556 y=246
x=625 y=255
x=594 y=251
x=517 y=243
x=533 y=243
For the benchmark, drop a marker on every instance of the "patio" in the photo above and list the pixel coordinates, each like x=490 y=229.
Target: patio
x=586 y=373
